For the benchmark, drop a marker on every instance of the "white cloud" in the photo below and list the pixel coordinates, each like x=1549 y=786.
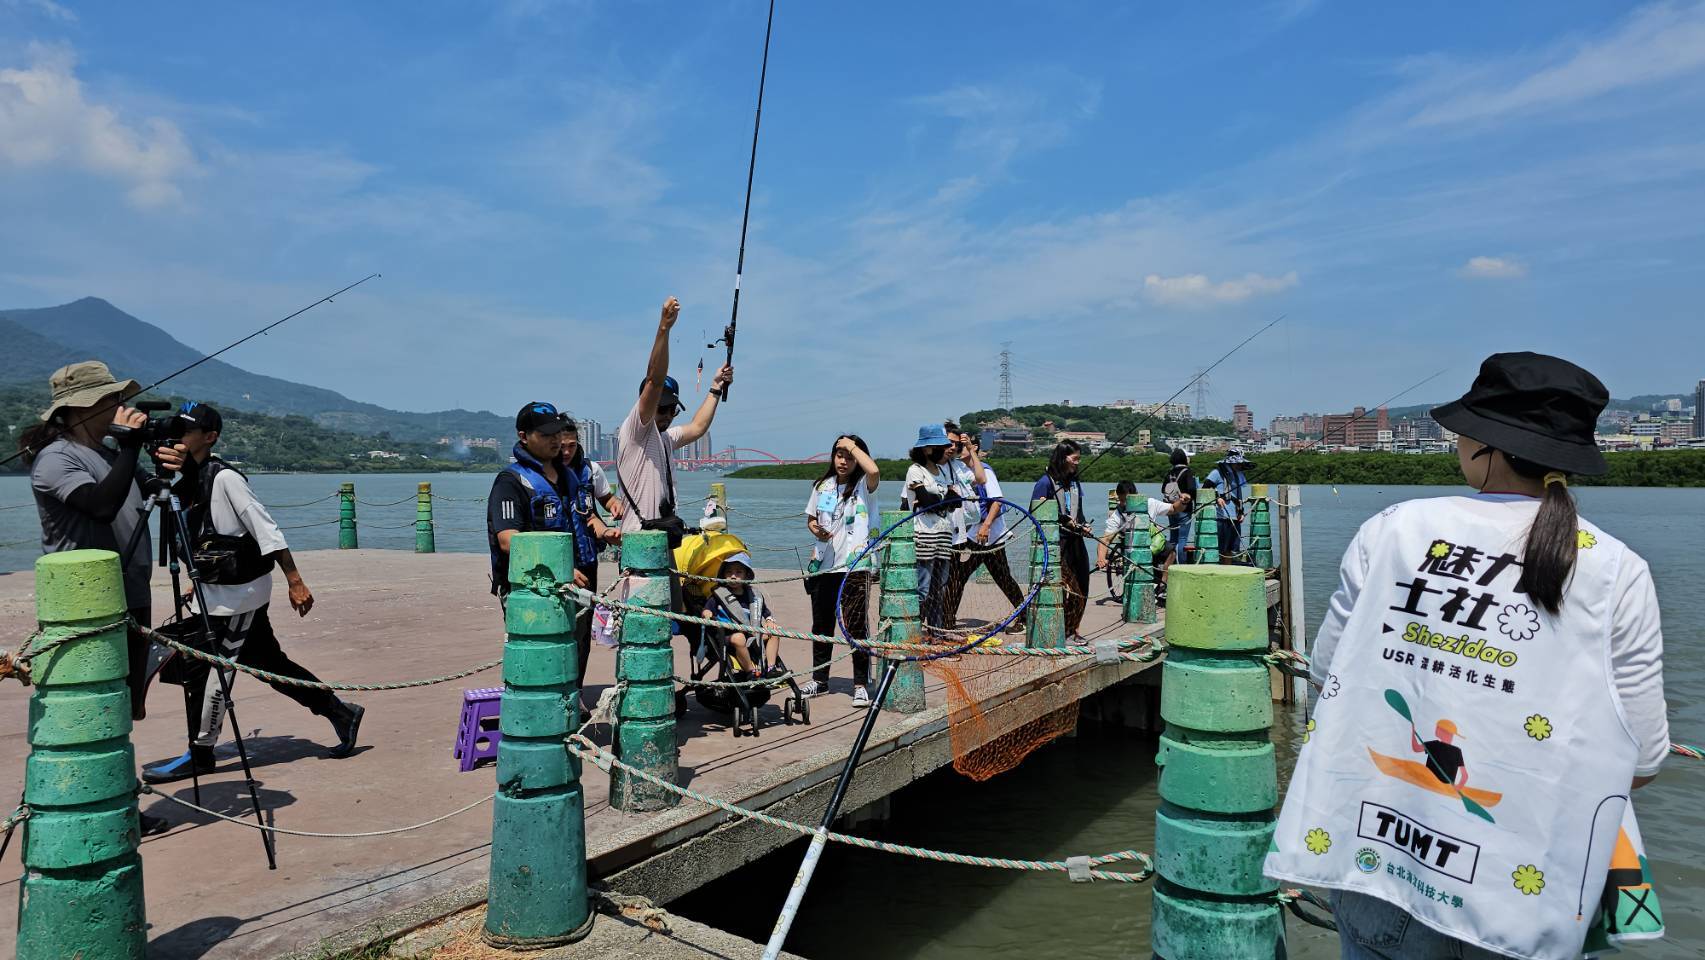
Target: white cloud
x=1196 y=290
x=1493 y=268
x=994 y=123
x=46 y=120
x=46 y=8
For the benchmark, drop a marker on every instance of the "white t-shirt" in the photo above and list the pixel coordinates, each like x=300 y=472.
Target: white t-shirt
x=936 y=481
x=1159 y=510
x=974 y=506
x=847 y=518
x=1636 y=636
x=643 y=468
x=234 y=511
x=1118 y=522
x=600 y=482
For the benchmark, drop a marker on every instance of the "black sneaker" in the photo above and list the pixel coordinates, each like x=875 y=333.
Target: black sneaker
x=154 y=825
x=196 y=761
x=346 y=723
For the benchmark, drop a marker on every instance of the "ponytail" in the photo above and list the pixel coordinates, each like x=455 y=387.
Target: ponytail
x=32 y=439
x=1552 y=544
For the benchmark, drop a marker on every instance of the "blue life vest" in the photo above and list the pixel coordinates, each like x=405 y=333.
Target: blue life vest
x=550 y=511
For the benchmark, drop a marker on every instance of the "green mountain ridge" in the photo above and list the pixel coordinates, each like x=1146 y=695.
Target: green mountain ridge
x=40 y=340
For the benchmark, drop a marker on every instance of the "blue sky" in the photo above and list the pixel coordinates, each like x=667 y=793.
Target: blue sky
x=1122 y=190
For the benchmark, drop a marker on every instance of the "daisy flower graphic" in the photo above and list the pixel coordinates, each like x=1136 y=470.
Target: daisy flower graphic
x=1439 y=550
x=1518 y=621
x=1529 y=879
x=1585 y=540
x=1318 y=841
x=1538 y=727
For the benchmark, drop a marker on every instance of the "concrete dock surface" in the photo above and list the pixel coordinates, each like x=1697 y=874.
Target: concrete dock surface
x=385 y=616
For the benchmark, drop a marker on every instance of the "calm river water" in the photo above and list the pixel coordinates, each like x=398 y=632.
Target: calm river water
x=1090 y=794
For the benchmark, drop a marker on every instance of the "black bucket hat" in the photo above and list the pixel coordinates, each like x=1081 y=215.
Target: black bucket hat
x=1543 y=409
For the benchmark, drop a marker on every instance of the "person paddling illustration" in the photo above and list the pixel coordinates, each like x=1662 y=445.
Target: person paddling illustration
x=1444 y=758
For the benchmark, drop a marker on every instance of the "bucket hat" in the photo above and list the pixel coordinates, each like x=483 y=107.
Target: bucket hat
x=84 y=385
x=932 y=435
x=1536 y=407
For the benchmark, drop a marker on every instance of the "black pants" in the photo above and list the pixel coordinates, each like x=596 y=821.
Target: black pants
x=139 y=647
x=248 y=639
x=826 y=593
x=1074 y=578
x=1231 y=536
x=966 y=564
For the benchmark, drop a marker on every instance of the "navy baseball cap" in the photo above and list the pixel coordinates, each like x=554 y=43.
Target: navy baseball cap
x=541 y=417
x=671 y=394
x=200 y=416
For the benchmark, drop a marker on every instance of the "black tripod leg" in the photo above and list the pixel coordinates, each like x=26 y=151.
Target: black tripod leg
x=190 y=711
x=266 y=841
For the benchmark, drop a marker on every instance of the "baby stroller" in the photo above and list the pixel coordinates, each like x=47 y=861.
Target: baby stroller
x=712 y=656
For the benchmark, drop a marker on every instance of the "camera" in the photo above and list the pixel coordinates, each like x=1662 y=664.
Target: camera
x=156 y=431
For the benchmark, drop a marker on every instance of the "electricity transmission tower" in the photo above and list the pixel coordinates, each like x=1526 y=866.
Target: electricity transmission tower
x=1005 y=401
x=1201 y=395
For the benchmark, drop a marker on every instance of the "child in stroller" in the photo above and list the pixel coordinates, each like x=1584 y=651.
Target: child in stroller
x=741 y=652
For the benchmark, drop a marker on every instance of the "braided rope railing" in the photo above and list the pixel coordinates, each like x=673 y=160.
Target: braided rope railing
x=1076 y=650
x=773 y=680
x=585 y=749
x=17 y=662
x=412 y=498
x=18 y=816
x=304 y=526
x=145 y=788
x=293 y=506
x=271 y=677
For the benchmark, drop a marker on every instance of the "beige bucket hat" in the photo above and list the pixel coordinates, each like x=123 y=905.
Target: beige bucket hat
x=84 y=385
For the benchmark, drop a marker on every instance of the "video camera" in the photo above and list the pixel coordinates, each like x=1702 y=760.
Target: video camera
x=156 y=432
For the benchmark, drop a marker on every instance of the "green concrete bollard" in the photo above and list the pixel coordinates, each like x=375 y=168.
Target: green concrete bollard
x=537 y=894
x=346 y=539
x=1046 y=625
x=1261 y=527
x=1139 y=605
x=1207 y=537
x=424 y=541
x=645 y=718
x=1218 y=779
x=898 y=571
x=81 y=893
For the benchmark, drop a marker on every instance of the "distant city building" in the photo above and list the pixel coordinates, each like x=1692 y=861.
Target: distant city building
x=591 y=437
x=1354 y=429
x=1165 y=411
x=1672 y=405
x=700 y=449
x=1699 y=409
x=1094 y=441
x=1301 y=424
x=1010 y=438
x=1678 y=429
x=1242 y=421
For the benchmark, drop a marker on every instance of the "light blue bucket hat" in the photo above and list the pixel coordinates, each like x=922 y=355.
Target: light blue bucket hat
x=932 y=435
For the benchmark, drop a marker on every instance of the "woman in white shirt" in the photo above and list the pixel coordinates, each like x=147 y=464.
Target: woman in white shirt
x=839 y=514
x=1491 y=673
x=929 y=483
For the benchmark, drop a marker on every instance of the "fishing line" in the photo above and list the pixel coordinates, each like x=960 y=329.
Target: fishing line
x=746 y=212
x=230 y=346
x=1164 y=403
x=1265 y=467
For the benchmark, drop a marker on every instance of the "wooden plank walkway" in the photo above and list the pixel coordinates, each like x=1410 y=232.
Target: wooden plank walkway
x=384 y=616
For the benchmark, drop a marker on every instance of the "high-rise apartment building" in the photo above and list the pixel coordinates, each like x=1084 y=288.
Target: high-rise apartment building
x=1357 y=428
x=1699 y=409
x=1242 y=421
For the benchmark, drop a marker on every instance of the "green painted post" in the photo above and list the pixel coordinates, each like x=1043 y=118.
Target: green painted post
x=1139 y=604
x=899 y=606
x=1218 y=780
x=424 y=541
x=645 y=718
x=346 y=539
x=81 y=894
x=1207 y=531
x=537 y=895
x=1261 y=527
x=1046 y=626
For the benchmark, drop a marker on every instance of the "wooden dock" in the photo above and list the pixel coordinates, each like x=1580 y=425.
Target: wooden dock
x=386 y=616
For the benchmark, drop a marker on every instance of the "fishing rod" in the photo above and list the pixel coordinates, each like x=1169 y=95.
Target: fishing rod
x=1265 y=467
x=230 y=346
x=746 y=212
x=1164 y=403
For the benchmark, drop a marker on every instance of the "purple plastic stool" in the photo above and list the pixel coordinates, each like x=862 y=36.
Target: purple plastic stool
x=477 y=734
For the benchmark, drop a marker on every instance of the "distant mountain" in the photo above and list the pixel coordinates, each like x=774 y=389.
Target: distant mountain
x=39 y=341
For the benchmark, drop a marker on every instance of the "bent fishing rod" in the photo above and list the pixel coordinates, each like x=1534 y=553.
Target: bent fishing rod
x=1265 y=467
x=230 y=346
x=746 y=211
x=1164 y=403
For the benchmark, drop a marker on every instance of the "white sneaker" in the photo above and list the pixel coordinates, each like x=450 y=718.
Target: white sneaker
x=812 y=688
x=861 y=697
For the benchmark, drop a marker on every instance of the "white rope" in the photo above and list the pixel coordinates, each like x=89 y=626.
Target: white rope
x=310 y=833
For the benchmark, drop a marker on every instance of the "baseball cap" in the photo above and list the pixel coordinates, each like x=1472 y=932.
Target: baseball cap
x=541 y=417
x=200 y=416
x=671 y=394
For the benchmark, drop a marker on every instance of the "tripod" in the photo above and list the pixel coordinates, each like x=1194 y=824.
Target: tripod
x=177 y=554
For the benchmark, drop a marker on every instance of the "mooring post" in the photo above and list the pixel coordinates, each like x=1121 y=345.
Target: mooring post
x=424 y=541
x=1218 y=781
x=1139 y=604
x=537 y=895
x=716 y=508
x=645 y=665
x=898 y=568
x=1047 y=624
x=1261 y=527
x=346 y=539
x=81 y=894
x=1207 y=529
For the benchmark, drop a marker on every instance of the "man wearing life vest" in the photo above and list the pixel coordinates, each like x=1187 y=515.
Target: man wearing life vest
x=1504 y=621
x=542 y=491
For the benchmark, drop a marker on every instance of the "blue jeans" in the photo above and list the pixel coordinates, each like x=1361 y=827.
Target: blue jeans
x=934 y=580
x=1371 y=929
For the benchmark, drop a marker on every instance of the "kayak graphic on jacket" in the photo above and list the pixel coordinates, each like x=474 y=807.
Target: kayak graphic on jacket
x=1443 y=772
